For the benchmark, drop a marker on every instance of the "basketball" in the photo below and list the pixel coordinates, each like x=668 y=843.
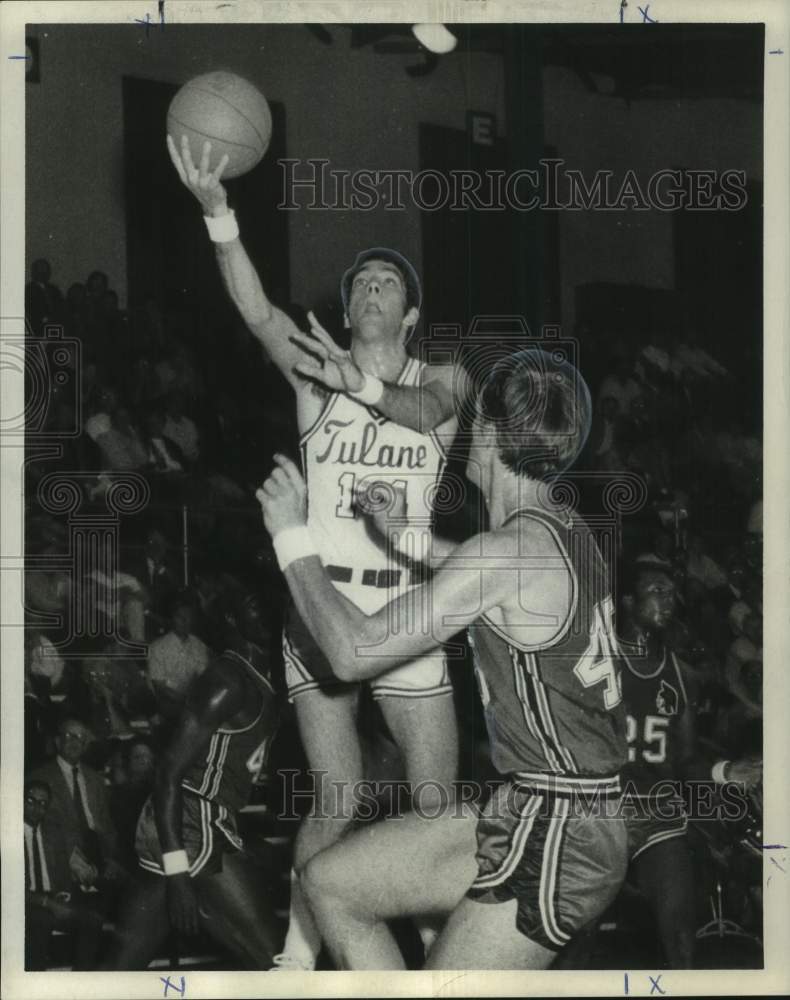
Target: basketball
x=229 y=112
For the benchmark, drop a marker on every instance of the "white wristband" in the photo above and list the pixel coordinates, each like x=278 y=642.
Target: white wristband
x=175 y=862
x=371 y=392
x=291 y=544
x=717 y=771
x=222 y=228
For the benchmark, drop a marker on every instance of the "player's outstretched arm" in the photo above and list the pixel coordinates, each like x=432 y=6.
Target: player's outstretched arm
x=474 y=579
x=216 y=696
x=270 y=325
x=422 y=408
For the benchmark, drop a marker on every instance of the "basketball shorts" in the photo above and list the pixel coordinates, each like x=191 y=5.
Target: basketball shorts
x=667 y=820
x=425 y=677
x=563 y=865
x=208 y=832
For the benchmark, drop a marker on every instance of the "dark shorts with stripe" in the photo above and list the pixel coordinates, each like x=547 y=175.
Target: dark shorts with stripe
x=563 y=865
x=667 y=819
x=424 y=677
x=208 y=832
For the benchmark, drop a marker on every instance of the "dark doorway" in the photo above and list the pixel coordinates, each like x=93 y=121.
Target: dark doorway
x=466 y=252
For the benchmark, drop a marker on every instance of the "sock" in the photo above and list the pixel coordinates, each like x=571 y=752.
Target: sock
x=428 y=928
x=302 y=942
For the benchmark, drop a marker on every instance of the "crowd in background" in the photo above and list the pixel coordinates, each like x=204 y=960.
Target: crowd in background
x=200 y=421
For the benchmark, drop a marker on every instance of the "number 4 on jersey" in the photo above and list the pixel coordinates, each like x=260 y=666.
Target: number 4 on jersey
x=599 y=662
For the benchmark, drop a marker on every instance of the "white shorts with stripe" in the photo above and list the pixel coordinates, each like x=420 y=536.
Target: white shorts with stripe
x=564 y=867
x=425 y=677
x=208 y=831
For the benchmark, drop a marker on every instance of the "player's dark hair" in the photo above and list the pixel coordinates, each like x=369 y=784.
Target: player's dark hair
x=632 y=573
x=409 y=276
x=540 y=408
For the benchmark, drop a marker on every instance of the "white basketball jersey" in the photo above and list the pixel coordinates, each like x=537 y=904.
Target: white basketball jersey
x=347 y=449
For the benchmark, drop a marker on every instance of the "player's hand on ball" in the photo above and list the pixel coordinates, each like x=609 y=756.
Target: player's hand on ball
x=325 y=362
x=182 y=904
x=204 y=184
x=283 y=497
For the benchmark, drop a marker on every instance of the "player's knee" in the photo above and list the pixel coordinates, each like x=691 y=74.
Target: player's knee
x=322 y=882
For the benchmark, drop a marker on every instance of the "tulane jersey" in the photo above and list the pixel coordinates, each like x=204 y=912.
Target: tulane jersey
x=654 y=701
x=554 y=711
x=348 y=448
x=235 y=758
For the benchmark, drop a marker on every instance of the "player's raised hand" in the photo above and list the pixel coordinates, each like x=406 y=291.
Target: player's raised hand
x=325 y=362
x=205 y=184
x=384 y=504
x=283 y=497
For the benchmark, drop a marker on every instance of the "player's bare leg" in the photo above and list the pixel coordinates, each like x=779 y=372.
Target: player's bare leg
x=142 y=925
x=328 y=729
x=484 y=936
x=401 y=867
x=426 y=732
x=665 y=874
x=235 y=911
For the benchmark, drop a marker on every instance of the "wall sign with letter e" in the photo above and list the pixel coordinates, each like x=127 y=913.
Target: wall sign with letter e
x=481 y=126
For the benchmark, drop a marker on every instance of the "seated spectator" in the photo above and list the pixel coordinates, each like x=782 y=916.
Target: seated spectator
x=164 y=455
x=746 y=648
x=43 y=672
x=43 y=300
x=662 y=553
x=620 y=385
x=702 y=568
x=132 y=786
x=120 y=599
x=177 y=658
x=604 y=447
x=154 y=568
x=693 y=361
x=118 y=693
x=78 y=820
x=51 y=904
x=180 y=429
x=121 y=445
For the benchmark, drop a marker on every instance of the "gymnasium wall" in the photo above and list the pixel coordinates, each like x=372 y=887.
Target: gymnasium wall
x=356 y=108
x=359 y=109
x=592 y=131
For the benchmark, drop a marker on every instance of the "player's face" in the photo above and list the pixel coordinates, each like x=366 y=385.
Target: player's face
x=253 y=622
x=655 y=601
x=377 y=302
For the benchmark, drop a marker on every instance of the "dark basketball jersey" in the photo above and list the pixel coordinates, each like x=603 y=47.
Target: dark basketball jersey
x=654 y=703
x=555 y=709
x=235 y=757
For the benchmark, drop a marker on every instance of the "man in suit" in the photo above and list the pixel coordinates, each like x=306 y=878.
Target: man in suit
x=50 y=904
x=78 y=819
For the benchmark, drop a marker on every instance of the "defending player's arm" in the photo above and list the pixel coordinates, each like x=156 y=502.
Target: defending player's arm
x=270 y=325
x=422 y=408
x=216 y=696
x=481 y=574
x=693 y=763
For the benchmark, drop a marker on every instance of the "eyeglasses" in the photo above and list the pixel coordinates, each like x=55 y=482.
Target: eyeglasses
x=33 y=801
x=80 y=737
